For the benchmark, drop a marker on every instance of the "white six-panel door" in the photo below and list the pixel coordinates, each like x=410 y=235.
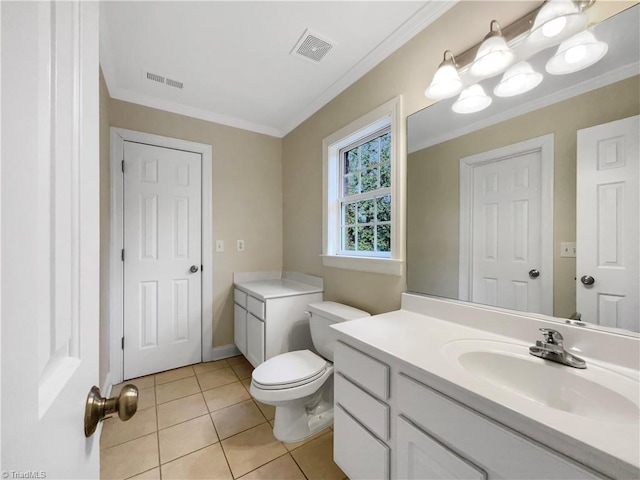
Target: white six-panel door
x=162 y=243
x=608 y=222
x=504 y=218
x=50 y=237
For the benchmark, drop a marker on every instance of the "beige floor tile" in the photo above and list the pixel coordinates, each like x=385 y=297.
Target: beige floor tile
x=200 y=368
x=146 y=398
x=178 y=389
x=175 y=374
x=282 y=468
x=224 y=396
x=216 y=378
x=115 y=431
x=251 y=449
x=237 y=418
x=294 y=445
x=238 y=360
x=131 y=458
x=247 y=383
x=153 y=474
x=269 y=411
x=181 y=410
x=208 y=463
x=186 y=437
x=315 y=458
x=242 y=371
x=140 y=382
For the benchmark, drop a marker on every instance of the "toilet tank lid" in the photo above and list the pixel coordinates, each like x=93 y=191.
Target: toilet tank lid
x=337 y=311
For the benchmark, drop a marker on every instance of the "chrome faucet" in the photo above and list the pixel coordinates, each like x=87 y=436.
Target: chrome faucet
x=552 y=349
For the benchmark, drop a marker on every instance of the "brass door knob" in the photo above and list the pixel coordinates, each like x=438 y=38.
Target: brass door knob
x=98 y=407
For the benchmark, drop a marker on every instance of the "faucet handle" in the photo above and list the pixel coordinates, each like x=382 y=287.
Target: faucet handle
x=552 y=336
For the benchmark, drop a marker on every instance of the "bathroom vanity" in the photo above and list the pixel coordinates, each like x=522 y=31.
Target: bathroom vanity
x=441 y=389
x=270 y=312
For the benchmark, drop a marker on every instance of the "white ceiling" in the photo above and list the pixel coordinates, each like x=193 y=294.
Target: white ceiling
x=234 y=57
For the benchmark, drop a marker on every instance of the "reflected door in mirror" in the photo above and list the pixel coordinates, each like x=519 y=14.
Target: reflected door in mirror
x=608 y=224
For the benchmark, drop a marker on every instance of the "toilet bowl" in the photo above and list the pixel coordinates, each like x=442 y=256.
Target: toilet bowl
x=300 y=383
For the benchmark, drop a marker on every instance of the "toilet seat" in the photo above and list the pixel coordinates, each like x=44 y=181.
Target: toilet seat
x=289 y=370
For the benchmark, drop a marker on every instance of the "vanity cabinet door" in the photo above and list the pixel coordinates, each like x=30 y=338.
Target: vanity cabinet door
x=421 y=456
x=255 y=340
x=240 y=328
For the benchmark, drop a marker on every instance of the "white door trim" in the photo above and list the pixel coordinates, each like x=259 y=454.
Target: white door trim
x=543 y=144
x=116 y=270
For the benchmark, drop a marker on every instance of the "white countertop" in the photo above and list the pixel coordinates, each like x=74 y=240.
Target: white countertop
x=419 y=341
x=276 y=288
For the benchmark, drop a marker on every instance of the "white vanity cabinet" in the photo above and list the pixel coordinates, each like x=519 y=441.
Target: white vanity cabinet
x=389 y=424
x=270 y=313
x=361 y=414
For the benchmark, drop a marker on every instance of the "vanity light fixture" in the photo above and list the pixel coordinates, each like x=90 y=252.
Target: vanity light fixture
x=579 y=52
x=494 y=55
x=556 y=21
x=519 y=78
x=471 y=100
x=446 y=82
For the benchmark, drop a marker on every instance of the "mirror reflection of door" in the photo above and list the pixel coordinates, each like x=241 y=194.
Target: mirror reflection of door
x=608 y=224
x=506 y=212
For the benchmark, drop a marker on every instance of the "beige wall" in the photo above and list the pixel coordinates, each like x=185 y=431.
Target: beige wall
x=247 y=196
x=433 y=187
x=407 y=72
x=104 y=230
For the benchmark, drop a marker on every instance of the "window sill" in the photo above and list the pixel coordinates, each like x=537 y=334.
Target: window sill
x=385 y=266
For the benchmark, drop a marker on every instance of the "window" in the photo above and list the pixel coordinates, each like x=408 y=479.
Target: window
x=363 y=210
x=365 y=200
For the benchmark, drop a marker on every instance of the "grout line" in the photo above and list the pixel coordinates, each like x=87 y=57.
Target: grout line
x=222 y=447
x=273 y=460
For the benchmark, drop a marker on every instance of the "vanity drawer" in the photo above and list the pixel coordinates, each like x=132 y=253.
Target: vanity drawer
x=358 y=453
x=240 y=298
x=494 y=447
x=256 y=307
x=362 y=369
x=371 y=412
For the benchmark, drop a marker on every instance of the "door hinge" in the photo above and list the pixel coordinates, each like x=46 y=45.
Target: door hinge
x=122 y=343
x=122 y=255
x=201 y=267
x=122 y=166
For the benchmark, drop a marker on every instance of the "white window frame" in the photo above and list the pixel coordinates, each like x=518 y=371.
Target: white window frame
x=387 y=115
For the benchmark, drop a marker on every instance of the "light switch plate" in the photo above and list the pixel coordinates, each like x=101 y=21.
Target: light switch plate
x=568 y=249
x=219 y=246
x=240 y=245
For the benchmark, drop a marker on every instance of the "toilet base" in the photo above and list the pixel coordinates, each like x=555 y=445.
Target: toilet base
x=297 y=421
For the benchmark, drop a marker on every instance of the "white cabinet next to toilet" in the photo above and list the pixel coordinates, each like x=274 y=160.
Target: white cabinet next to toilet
x=270 y=313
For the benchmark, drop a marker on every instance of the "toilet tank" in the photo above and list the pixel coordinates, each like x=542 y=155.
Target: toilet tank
x=324 y=314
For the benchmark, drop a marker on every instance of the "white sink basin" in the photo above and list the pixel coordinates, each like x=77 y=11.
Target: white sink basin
x=596 y=393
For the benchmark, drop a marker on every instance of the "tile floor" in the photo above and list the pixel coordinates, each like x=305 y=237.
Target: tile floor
x=200 y=422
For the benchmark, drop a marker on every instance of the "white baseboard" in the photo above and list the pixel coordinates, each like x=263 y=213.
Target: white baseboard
x=224 y=351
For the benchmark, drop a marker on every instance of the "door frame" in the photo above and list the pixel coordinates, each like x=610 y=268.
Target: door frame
x=116 y=241
x=545 y=145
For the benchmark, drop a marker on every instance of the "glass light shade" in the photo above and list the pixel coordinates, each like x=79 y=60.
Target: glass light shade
x=579 y=52
x=471 y=100
x=556 y=21
x=493 y=57
x=518 y=79
x=446 y=82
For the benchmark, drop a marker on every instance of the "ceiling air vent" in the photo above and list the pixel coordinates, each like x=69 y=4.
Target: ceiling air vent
x=174 y=83
x=154 y=77
x=311 y=46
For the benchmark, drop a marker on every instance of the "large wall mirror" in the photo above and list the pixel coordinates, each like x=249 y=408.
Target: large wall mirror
x=533 y=203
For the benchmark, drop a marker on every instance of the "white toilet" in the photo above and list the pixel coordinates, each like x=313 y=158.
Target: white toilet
x=300 y=384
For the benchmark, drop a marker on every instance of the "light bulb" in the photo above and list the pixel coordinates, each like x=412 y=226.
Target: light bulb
x=518 y=79
x=575 y=54
x=494 y=55
x=446 y=81
x=554 y=27
x=579 y=52
x=471 y=100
